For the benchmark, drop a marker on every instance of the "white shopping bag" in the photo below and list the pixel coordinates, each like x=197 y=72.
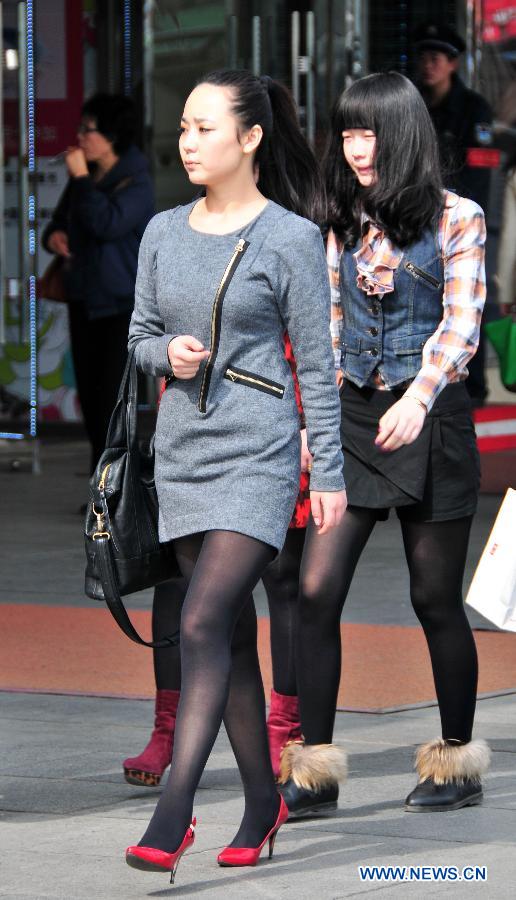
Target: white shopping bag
x=493 y=589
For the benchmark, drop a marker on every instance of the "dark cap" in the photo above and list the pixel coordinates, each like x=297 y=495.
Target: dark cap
x=432 y=36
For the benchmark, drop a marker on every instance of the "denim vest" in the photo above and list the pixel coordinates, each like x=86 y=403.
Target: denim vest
x=388 y=333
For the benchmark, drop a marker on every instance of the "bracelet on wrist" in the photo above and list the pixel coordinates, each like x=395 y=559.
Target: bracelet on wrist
x=417 y=400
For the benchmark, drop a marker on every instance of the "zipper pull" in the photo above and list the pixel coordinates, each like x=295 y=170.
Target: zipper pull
x=240 y=246
x=102 y=482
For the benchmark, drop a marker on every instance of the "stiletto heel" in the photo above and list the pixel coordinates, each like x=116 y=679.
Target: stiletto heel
x=249 y=856
x=149 y=859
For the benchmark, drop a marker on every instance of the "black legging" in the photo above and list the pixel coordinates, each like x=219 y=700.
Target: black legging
x=436 y=555
x=220 y=678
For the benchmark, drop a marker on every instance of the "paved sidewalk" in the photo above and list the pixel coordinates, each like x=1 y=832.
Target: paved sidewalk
x=69 y=814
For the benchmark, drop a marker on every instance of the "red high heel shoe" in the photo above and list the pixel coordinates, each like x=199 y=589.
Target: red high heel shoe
x=149 y=859
x=248 y=856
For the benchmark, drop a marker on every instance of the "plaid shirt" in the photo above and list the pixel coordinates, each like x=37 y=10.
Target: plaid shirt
x=462 y=237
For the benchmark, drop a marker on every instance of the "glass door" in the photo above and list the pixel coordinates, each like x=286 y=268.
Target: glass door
x=316 y=48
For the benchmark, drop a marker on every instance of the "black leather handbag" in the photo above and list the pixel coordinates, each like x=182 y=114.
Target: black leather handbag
x=123 y=553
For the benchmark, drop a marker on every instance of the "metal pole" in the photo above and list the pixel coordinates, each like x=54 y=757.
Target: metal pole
x=2 y=187
x=23 y=181
x=128 y=74
x=256 y=52
x=310 y=77
x=30 y=211
x=148 y=71
x=295 y=33
x=470 y=42
x=232 y=42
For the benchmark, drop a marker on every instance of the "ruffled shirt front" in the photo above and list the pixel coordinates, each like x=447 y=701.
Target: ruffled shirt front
x=376 y=261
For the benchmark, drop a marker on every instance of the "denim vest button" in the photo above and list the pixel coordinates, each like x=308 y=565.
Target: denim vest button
x=373 y=331
x=374 y=352
x=375 y=309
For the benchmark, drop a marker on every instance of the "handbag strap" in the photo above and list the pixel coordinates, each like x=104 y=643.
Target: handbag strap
x=114 y=601
x=122 y=431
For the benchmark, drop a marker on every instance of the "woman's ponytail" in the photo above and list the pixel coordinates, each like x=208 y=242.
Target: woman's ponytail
x=288 y=172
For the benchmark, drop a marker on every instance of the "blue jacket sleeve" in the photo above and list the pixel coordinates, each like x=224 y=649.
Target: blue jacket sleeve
x=112 y=216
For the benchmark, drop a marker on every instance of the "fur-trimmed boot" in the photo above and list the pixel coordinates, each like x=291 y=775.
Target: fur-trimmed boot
x=310 y=776
x=283 y=726
x=449 y=776
x=147 y=768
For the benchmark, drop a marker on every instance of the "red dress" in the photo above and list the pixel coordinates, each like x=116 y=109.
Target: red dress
x=302 y=508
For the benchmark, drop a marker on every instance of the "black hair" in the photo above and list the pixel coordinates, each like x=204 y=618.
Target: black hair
x=407 y=196
x=288 y=172
x=115 y=118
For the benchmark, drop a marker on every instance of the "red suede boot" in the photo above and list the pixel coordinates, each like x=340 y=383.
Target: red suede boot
x=147 y=768
x=283 y=725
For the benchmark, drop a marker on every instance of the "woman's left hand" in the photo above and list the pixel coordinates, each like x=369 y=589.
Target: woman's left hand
x=401 y=424
x=328 y=507
x=76 y=162
x=306 y=456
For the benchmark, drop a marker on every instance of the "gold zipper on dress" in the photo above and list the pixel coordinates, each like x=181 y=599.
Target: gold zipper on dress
x=253 y=380
x=240 y=248
x=420 y=273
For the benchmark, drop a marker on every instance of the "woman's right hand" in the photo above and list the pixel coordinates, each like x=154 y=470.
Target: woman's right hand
x=58 y=243
x=185 y=355
x=508 y=309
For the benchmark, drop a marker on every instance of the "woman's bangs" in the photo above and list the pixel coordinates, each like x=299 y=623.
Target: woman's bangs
x=355 y=111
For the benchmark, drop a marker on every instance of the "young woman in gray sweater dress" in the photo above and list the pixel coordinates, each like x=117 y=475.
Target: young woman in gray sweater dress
x=219 y=281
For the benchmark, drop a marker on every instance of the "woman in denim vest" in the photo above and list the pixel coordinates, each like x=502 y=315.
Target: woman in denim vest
x=406 y=264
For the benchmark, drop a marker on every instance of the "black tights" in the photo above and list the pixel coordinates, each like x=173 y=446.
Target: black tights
x=220 y=679
x=281 y=582
x=166 y=620
x=436 y=554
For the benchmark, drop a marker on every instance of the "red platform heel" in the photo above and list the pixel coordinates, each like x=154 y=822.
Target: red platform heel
x=248 y=856
x=149 y=859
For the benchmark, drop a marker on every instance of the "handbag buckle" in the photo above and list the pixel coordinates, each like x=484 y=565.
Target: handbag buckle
x=100 y=525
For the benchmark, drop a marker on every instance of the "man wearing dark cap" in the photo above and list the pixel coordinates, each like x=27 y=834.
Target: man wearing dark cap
x=456 y=112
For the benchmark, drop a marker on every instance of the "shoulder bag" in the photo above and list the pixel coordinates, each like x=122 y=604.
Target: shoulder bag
x=123 y=552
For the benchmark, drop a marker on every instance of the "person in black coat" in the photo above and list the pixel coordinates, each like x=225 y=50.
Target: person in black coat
x=97 y=227
x=458 y=114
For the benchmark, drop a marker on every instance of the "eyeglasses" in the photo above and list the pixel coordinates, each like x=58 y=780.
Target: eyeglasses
x=85 y=129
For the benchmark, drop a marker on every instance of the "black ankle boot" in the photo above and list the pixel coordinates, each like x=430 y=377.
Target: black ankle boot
x=309 y=778
x=431 y=797
x=449 y=776
x=303 y=802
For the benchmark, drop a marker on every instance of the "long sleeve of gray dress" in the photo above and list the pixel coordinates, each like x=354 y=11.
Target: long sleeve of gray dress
x=303 y=292
x=147 y=333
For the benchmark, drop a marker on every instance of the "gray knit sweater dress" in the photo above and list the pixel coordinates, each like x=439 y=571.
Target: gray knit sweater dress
x=227 y=440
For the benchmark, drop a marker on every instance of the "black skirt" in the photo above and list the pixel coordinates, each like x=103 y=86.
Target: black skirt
x=436 y=478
